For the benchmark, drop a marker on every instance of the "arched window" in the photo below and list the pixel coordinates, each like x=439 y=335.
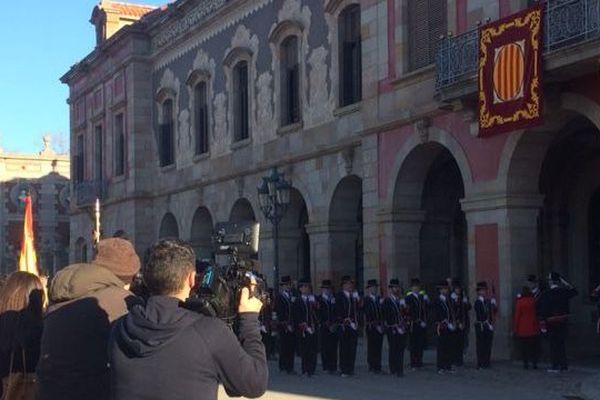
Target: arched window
x=241 y=126
x=427 y=22
x=290 y=81
x=201 y=117
x=167 y=137
x=350 y=55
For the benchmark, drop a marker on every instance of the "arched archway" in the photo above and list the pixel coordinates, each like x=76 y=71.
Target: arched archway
x=294 y=252
x=168 y=227
x=346 y=230
x=429 y=226
x=242 y=211
x=201 y=234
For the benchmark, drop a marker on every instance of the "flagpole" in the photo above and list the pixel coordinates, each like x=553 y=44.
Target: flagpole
x=97 y=230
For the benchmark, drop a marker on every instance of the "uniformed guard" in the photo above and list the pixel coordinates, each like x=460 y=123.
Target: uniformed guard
x=535 y=286
x=328 y=332
x=395 y=313
x=417 y=302
x=305 y=324
x=553 y=310
x=374 y=326
x=485 y=312
x=445 y=327
x=347 y=315
x=265 y=320
x=287 y=339
x=460 y=308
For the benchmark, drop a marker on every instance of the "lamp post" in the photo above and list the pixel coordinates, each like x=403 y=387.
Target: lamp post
x=274 y=199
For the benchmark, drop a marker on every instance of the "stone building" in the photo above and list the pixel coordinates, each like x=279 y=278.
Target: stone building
x=45 y=176
x=176 y=118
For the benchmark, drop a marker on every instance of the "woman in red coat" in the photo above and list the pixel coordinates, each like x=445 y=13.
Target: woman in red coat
x=527 y=329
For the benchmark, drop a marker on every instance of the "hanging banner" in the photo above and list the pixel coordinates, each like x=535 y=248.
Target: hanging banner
x=510 y=67
x=28 y=257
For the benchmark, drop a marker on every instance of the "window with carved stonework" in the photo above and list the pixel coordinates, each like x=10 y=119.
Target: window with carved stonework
x=290 y=81
x=167 y=135
x=350 y=57
x=201 y=117
x=241 y=120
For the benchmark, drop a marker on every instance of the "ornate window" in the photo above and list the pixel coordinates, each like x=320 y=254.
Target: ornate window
x=119 y=140
x=290 y=81
x=201 y=116
x=350 y=62
x=241 y=114
x=79 y=164
x=98 y=153
x=167 y=134
x=427 y=22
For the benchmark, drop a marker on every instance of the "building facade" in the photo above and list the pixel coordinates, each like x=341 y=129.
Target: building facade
x=45 y=176
x=370 y=109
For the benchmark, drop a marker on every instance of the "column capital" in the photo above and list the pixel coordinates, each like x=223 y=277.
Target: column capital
x=498 y=201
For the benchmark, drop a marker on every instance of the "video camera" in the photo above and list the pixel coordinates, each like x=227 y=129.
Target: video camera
x=218 y=294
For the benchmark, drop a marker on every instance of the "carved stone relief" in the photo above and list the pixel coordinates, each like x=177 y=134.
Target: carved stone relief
x=220 y=132
x=264 y=117
x=293 y=10
x=185 y=148
x=320 y=108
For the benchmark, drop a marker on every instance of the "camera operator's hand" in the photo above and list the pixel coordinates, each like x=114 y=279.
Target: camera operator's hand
x=249 y=304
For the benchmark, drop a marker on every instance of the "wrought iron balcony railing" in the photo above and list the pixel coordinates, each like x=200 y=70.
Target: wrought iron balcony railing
x=566 y=23
x=87 y=192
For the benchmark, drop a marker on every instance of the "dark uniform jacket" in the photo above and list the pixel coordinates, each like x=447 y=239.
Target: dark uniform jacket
x=553 y=304
x=485 y=311
x=283 y=308
x=417 y=307
x=303 y=314
x=394 y=312
x=327 y=316
x=373 y=313
x=460 y=309
x=346 y=310
x=442 y=315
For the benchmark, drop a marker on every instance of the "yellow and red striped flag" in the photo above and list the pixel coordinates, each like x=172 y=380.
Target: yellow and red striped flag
x=28 y=258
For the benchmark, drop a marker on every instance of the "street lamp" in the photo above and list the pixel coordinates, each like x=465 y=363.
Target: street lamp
x=274 y=199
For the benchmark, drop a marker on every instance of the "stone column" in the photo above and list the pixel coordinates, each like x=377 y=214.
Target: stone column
x=502 y=238
x=320 y=259
x=400 y=243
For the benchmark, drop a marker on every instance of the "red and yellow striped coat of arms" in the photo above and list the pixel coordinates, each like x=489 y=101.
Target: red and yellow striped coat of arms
x=510 y=91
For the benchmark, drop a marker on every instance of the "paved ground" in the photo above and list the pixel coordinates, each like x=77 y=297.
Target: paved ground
x=505 y=381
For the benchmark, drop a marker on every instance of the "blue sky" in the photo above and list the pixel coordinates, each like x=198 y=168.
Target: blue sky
x=39 y=41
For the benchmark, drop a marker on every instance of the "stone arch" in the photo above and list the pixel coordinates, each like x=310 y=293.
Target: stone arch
x=168 y=227
x=426 y=223
x=242 y=210
x=346 y=230
x=437 y=136
x=201 y=233
x=294 y=251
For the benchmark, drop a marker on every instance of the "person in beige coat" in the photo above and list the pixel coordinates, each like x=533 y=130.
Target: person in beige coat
x=84 y=301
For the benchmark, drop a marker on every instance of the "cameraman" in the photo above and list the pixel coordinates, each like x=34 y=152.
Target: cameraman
x=163 y=351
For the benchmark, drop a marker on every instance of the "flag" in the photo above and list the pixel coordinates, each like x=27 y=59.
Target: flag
x=510 y=66
x=28 y=258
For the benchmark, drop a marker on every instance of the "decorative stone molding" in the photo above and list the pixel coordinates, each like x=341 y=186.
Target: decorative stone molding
x=422 y=129
x=348 y=159
x=203 y=69
x=242 y=40
x=192 y=18
x=265 y=122
x=320 y=108
x=220 y=131
x=168 y=87
x=239 y=184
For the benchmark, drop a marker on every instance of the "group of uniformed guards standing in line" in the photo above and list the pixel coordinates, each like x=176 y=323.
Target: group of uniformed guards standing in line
x=331 y=322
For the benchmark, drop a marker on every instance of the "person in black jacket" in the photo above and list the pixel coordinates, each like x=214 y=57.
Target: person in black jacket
x=444 y=328
x=553 y=311
x=161 y=350
x=417 y=302
x=285 y=326
x=485 y=312
x=328 y=336
x=347 y=316
x=374 y=326
x=394 y=312
x=305 y=323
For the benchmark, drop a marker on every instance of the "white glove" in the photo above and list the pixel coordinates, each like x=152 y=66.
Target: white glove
x=311 y=298
x=454 y=296
x=355 y=295
x=425 y=297
x=493 y=301
x=402 y=303
x=465 y=300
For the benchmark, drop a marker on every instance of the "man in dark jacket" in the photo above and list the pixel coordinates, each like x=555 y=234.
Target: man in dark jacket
x=304 y=316
x=553 y=311
x=395 y=311
x=328 y=328
x=285 y=326
x=347 y=315
x=164 y=351
x=85 y=299
x=374 y=326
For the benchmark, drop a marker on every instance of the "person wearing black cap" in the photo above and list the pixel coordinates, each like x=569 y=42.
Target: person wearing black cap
x=328 y=328
x=287 y=338
x=374 y=326
x=347 y=316
x=460 y=305
x=417 y=302
x=394 y=311
x=445 y=326
x=485 y=312
x=553 y=311
x=305 y=323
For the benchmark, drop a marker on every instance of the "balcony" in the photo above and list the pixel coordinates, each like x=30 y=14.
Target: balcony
x=87 y=192
x=568 y=24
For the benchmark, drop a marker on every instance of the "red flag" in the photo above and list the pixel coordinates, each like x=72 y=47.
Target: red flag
x=28 y=258
x=510 y=67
